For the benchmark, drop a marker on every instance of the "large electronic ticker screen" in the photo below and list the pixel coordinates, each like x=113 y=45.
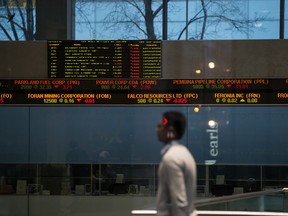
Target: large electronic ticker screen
x=144 y=91
x=104 y=59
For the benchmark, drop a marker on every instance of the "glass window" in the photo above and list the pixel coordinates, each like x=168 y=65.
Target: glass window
x=112 y=20
x=17 y=20
x=224 y=20
x=187 y=19
x=267 y=24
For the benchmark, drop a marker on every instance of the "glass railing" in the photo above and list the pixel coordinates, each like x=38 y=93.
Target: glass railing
x=270 y=202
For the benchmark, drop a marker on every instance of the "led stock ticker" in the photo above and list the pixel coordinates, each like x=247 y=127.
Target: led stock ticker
x=144 y=92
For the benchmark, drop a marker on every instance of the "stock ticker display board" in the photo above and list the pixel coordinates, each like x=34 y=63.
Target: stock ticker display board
x=144 y=92
x=104 y=59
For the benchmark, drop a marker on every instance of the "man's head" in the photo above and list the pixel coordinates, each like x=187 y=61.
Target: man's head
x=171 y=127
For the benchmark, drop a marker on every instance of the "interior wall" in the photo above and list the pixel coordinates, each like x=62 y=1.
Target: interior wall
x=73 y=205
x=23 y=60
x=233 y=59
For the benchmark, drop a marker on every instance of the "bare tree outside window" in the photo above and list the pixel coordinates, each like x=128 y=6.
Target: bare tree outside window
x=139 y=19
x=17 y=20
x=138 y=16
x=212 y=15
x=142 y=19
x=120 y=19
x=84 y=18
x=134 y=19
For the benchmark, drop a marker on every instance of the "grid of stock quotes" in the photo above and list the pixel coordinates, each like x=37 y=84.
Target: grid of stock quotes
x=104 y=59
x=196 y=92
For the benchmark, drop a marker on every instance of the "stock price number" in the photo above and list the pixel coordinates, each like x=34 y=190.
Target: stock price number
x=67 y=101
x=89 y=100
x=43 y=87
x=157 y=100
x=232 y=100
x=50 y=100
x=252 y=100
x=180 y=100
x=141 y=100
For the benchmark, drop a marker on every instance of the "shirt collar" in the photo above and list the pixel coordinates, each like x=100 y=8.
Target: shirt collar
x=168 y=146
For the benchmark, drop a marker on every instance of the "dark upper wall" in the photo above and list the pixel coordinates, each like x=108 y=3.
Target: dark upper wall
x=180 y=59
x=23 y=60
x=233 y=59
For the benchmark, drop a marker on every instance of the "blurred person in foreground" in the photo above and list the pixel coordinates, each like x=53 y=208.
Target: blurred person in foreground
x=177 y=169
